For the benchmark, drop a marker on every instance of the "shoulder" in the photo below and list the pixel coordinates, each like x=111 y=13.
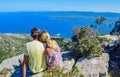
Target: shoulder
x=41 y=43
x=33 y=42
x=28 y=43
x=54 y=41
x=48 y=51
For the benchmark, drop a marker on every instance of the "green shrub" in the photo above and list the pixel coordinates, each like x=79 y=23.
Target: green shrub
x=89 y=47
x=12 y=45
x=3 y=55
x=85 y=42
x=60 y=43
x=58 y=72
x=82 y=76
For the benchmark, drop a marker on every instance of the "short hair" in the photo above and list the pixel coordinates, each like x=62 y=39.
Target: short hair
x=35 y=32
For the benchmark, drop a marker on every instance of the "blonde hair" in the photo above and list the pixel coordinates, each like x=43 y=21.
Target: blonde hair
x=45 y=37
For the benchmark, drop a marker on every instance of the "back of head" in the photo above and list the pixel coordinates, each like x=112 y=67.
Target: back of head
x=44 y=36
x=35 y=32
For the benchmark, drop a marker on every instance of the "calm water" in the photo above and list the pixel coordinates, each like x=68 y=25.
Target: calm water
x=23 y=22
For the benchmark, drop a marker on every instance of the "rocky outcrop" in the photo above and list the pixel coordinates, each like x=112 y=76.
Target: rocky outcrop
x=12 y=45
x=68 y=64
x=94 y=67
x=11 y=62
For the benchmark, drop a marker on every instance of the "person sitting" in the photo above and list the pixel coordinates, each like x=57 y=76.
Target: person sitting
x=52 y=50
x=34 y=55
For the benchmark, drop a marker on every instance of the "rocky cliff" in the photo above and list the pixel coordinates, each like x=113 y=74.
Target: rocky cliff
x=89 y=67
x=94 y=67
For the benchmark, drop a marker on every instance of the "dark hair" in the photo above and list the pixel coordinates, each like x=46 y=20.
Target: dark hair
x=35 y=32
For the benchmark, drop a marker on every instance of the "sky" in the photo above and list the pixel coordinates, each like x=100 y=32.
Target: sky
x=60 y=5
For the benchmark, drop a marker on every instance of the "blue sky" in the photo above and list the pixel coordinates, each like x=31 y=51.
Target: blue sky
x=60 y=5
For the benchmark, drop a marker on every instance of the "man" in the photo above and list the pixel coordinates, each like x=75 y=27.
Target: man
x=34 y=55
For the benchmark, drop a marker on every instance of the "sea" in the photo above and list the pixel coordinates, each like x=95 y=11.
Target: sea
x=56 y=23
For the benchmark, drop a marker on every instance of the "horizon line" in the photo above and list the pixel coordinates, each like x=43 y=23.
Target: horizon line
x=60 y=11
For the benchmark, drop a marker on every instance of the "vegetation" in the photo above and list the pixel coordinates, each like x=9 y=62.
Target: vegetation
x=82 y=32
x=61 y=72
x=116 y=30
x=100 y=20
x=12 y=45
x=3 y=55
x=89 y=47
x=85 y=42
x=5 y=71
x=60 y=43
x=115 y=72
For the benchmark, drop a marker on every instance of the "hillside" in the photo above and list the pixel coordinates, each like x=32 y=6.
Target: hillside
x=12 y=44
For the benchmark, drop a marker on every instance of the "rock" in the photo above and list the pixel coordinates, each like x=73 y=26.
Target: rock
x=94 y=67
x=11 y=62
x=68 y=64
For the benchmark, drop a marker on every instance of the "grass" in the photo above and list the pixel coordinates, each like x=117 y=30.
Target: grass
x=3 y=55
x=5 y=71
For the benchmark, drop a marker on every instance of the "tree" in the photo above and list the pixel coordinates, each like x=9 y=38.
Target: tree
x=116 y=30
x=82 y=32
x=85 y=42
x=89 y=47
x=100 y=20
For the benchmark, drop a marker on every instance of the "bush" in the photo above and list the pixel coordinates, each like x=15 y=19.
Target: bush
x=60 y=43
x=85 y=43
x=87 y=47
x=58 y=72
x=82 y=32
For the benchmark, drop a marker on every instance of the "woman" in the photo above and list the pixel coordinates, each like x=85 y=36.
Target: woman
x=52 y=50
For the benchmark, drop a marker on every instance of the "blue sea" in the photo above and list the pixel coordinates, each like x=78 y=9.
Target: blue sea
x=54 y=22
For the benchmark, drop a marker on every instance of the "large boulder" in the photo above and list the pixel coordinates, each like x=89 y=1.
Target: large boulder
x=94 y=67
x=89 y=67
x=16 y=70
x=68 y=64
x=14 y=65
x=11 y=62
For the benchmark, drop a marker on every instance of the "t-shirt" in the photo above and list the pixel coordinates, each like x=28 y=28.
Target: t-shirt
x=35 y=51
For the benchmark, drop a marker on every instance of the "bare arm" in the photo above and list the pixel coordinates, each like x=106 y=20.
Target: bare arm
x=48 y=52
x=24 y=65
